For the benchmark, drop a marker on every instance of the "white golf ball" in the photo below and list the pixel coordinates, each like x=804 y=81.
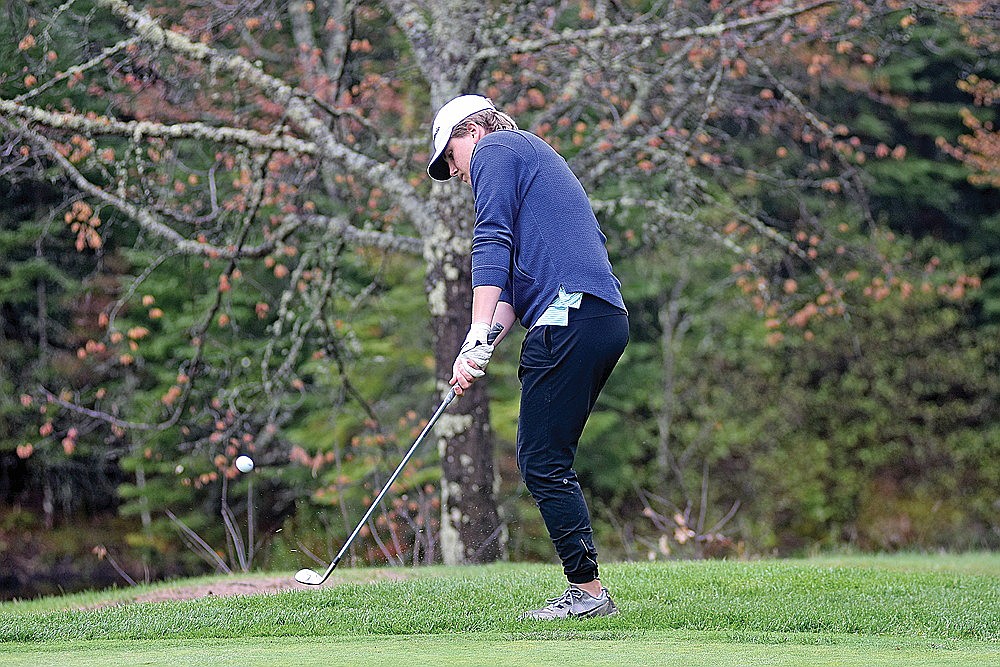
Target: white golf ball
x=244 y=463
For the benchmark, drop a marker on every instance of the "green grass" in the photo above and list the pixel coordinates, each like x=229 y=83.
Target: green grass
x=906 y=610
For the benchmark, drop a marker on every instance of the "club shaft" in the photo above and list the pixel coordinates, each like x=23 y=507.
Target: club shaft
x=392 y=478
x=495 y=332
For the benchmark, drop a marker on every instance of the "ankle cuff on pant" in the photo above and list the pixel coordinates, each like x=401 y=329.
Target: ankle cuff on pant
x=582 y=577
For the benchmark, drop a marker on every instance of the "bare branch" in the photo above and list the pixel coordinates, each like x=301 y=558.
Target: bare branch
x=104 y=125
x=663 y=31
x=360 y=237
x=409 y=16
x=294 y=101
x=144 y=217
x=668 y=212
x=76 y=70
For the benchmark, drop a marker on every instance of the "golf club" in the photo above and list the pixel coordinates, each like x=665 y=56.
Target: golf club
x=313 y=578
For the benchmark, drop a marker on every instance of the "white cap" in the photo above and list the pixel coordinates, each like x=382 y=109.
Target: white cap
x=448 y=116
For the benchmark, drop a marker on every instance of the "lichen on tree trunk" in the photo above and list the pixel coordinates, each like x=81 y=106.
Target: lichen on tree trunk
x=471 y=528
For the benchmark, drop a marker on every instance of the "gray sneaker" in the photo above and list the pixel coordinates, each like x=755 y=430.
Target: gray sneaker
x=574 y=603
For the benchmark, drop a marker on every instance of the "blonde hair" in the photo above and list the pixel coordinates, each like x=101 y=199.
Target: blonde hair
x=490 y=120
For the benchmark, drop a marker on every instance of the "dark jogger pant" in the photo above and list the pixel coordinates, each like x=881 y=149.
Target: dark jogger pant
x=562 y=371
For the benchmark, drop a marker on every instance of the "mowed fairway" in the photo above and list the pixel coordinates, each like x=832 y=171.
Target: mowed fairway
x=906 y=610
x=694 y=649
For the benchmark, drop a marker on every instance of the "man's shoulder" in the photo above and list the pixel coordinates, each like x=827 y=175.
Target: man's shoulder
x=516 y=139
x=504 y=151
x=521 y=146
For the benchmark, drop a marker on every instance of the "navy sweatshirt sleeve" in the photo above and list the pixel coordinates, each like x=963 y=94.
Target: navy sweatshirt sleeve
x=495 y=177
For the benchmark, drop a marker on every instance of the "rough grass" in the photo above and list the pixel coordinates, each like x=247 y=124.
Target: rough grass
x=943 y=607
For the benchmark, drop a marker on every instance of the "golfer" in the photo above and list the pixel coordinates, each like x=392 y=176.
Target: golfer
x=538 y=256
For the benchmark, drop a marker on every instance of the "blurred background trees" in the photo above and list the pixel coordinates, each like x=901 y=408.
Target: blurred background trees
x=218 y=239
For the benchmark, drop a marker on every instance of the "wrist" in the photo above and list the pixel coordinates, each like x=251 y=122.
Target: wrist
x=478 y=333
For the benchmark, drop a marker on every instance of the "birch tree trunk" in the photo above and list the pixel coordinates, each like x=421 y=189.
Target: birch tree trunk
x=471 y=527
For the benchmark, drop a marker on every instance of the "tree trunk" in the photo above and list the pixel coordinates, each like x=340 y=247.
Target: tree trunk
x=471 y=528
x=673 y=329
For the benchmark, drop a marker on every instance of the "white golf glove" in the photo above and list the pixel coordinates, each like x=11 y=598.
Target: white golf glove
x=475 y=349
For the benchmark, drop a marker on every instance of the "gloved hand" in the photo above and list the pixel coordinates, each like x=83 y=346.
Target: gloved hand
x=475 y=349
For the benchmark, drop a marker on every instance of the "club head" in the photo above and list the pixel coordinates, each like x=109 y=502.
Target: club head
x=308 y=577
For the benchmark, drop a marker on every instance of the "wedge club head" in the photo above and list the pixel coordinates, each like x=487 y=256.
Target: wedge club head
x=308 y=577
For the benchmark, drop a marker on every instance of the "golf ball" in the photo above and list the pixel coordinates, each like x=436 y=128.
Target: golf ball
x=244 y=463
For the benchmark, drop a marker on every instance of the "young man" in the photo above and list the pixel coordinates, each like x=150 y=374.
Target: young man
x=538 y=255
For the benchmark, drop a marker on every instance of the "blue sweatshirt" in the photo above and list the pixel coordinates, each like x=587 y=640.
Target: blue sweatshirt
x=535 y=230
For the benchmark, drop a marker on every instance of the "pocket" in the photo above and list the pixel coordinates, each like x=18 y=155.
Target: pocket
x=523 y=287
x=536 y=351
x=520 y=273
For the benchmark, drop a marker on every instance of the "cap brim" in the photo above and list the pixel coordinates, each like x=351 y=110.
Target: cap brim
x=438 y=169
